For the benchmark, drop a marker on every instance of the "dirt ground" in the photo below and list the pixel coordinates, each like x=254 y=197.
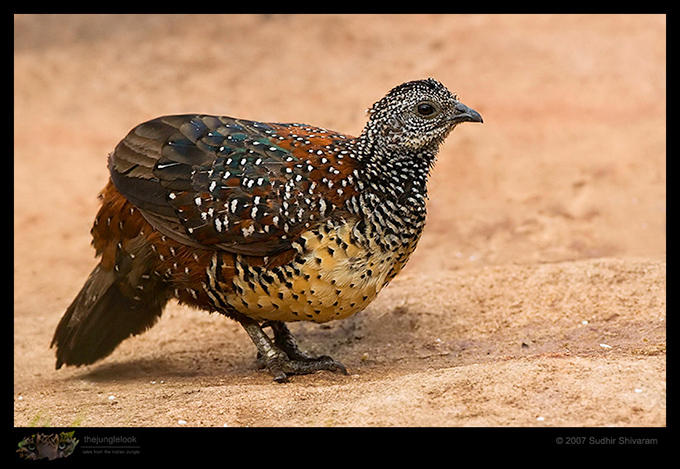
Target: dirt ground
x=537 y=295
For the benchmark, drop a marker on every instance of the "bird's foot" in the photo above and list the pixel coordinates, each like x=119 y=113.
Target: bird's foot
x=282 y=357
x=280 y=365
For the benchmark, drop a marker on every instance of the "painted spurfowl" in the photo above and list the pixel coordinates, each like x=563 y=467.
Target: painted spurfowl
x=262 y=222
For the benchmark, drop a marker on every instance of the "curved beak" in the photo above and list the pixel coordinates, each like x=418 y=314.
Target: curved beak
x=462 y=113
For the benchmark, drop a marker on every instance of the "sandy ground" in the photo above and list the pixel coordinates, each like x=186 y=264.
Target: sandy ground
x=537 y=296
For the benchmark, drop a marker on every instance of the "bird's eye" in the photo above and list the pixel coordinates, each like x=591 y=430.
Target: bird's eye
x=426 y=109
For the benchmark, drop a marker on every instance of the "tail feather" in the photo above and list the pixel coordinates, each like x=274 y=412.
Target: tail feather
x=102 y=316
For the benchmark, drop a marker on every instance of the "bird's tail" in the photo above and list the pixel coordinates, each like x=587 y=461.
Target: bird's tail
x=102 y=316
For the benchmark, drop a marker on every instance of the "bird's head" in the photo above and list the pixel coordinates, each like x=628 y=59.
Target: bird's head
x=416 y=116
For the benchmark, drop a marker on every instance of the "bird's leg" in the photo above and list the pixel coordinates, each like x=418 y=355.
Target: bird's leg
x=284 y=340
x=283 y=357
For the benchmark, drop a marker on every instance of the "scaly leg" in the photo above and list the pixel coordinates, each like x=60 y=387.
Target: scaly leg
x=283 y=357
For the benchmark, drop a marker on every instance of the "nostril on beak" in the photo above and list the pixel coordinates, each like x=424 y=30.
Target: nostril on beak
x=461 y=108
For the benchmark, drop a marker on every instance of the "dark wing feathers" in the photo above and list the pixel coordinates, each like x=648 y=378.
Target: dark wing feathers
x=217 y=182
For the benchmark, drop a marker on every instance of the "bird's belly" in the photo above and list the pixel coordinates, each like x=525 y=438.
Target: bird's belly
x=332 y=278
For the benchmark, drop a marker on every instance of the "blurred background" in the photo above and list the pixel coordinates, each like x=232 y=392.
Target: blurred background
x=569 y=163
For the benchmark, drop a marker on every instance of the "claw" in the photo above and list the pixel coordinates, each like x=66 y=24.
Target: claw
x=283 y=358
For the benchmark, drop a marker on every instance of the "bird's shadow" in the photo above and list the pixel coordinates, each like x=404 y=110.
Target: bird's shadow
x=161 y=368
x=211 y=363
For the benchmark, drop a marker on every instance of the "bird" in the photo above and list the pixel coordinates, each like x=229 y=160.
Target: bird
x=265 y=223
